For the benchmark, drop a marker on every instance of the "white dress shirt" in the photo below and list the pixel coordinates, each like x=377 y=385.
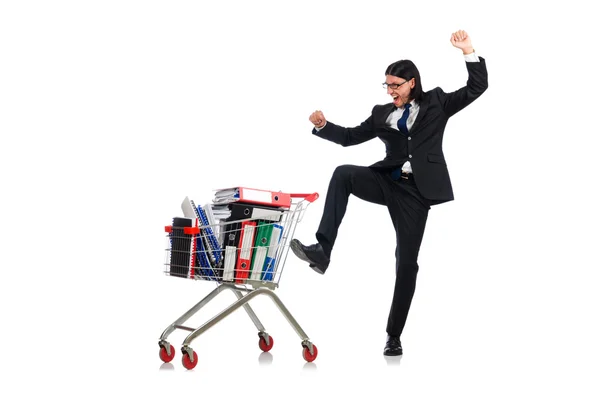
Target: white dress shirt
x=392 y=121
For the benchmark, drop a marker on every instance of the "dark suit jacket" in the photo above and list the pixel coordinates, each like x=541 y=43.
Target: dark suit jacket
x=423 y=146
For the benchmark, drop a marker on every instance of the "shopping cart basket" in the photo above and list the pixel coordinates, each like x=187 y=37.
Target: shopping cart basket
x=245 y=256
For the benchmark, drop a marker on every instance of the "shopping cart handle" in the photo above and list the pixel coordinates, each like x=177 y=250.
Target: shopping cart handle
x=310 y=197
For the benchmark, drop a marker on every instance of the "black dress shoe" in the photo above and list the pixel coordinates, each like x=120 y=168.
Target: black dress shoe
x=393 y=347
x=313 y=254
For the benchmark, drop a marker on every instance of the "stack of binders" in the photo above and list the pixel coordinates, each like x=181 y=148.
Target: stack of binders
x=238 y=240
x=252 y=236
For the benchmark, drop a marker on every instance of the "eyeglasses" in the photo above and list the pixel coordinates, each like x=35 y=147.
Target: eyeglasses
x=394 y=86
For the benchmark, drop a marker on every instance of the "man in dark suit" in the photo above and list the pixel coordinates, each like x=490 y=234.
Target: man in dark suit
x=412 y=176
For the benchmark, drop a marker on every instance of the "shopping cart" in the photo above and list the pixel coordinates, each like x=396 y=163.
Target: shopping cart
x=245 y=256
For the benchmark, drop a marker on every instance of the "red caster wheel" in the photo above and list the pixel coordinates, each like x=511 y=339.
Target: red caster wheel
x=310 y=357
x=263 y=345
x=166 y=357
x=187 y=363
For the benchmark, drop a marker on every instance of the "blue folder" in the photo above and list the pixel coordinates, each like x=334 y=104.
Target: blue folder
x=213 y=243
x=269 y=267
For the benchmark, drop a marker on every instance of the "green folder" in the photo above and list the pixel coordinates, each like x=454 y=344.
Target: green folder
x=263 y=237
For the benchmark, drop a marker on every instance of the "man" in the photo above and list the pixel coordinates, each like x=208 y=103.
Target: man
x=412 y=176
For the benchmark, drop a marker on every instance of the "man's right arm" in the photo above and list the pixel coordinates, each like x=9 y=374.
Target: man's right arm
x=345 y=136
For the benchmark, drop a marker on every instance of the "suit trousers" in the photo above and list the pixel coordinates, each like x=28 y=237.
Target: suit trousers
x=408 y=210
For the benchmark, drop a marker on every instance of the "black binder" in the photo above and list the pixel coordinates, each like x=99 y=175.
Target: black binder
x=232 y=234
x=241 y=211
x=181 y=248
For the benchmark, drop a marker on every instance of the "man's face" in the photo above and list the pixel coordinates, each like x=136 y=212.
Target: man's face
x=399 y=89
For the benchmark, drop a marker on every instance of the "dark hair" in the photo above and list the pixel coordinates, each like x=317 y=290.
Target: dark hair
x=406 y=70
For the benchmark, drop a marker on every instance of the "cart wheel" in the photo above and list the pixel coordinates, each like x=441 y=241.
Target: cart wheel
x=187 y=363
x=310 y=357
x=263 y=345
x=165 y=356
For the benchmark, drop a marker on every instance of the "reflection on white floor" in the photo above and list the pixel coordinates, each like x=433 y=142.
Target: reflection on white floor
x=393 y=360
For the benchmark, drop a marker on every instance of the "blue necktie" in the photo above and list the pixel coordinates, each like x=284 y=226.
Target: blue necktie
x=402 y=122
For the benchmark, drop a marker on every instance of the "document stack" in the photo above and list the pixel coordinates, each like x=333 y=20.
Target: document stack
x=236 y=238
x=219 y=214
x=250 y=246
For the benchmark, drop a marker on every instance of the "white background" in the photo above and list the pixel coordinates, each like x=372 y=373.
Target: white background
x=111 y=112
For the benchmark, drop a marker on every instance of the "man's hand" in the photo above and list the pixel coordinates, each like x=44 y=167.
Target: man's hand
x=460 y=39
x=318 y=119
